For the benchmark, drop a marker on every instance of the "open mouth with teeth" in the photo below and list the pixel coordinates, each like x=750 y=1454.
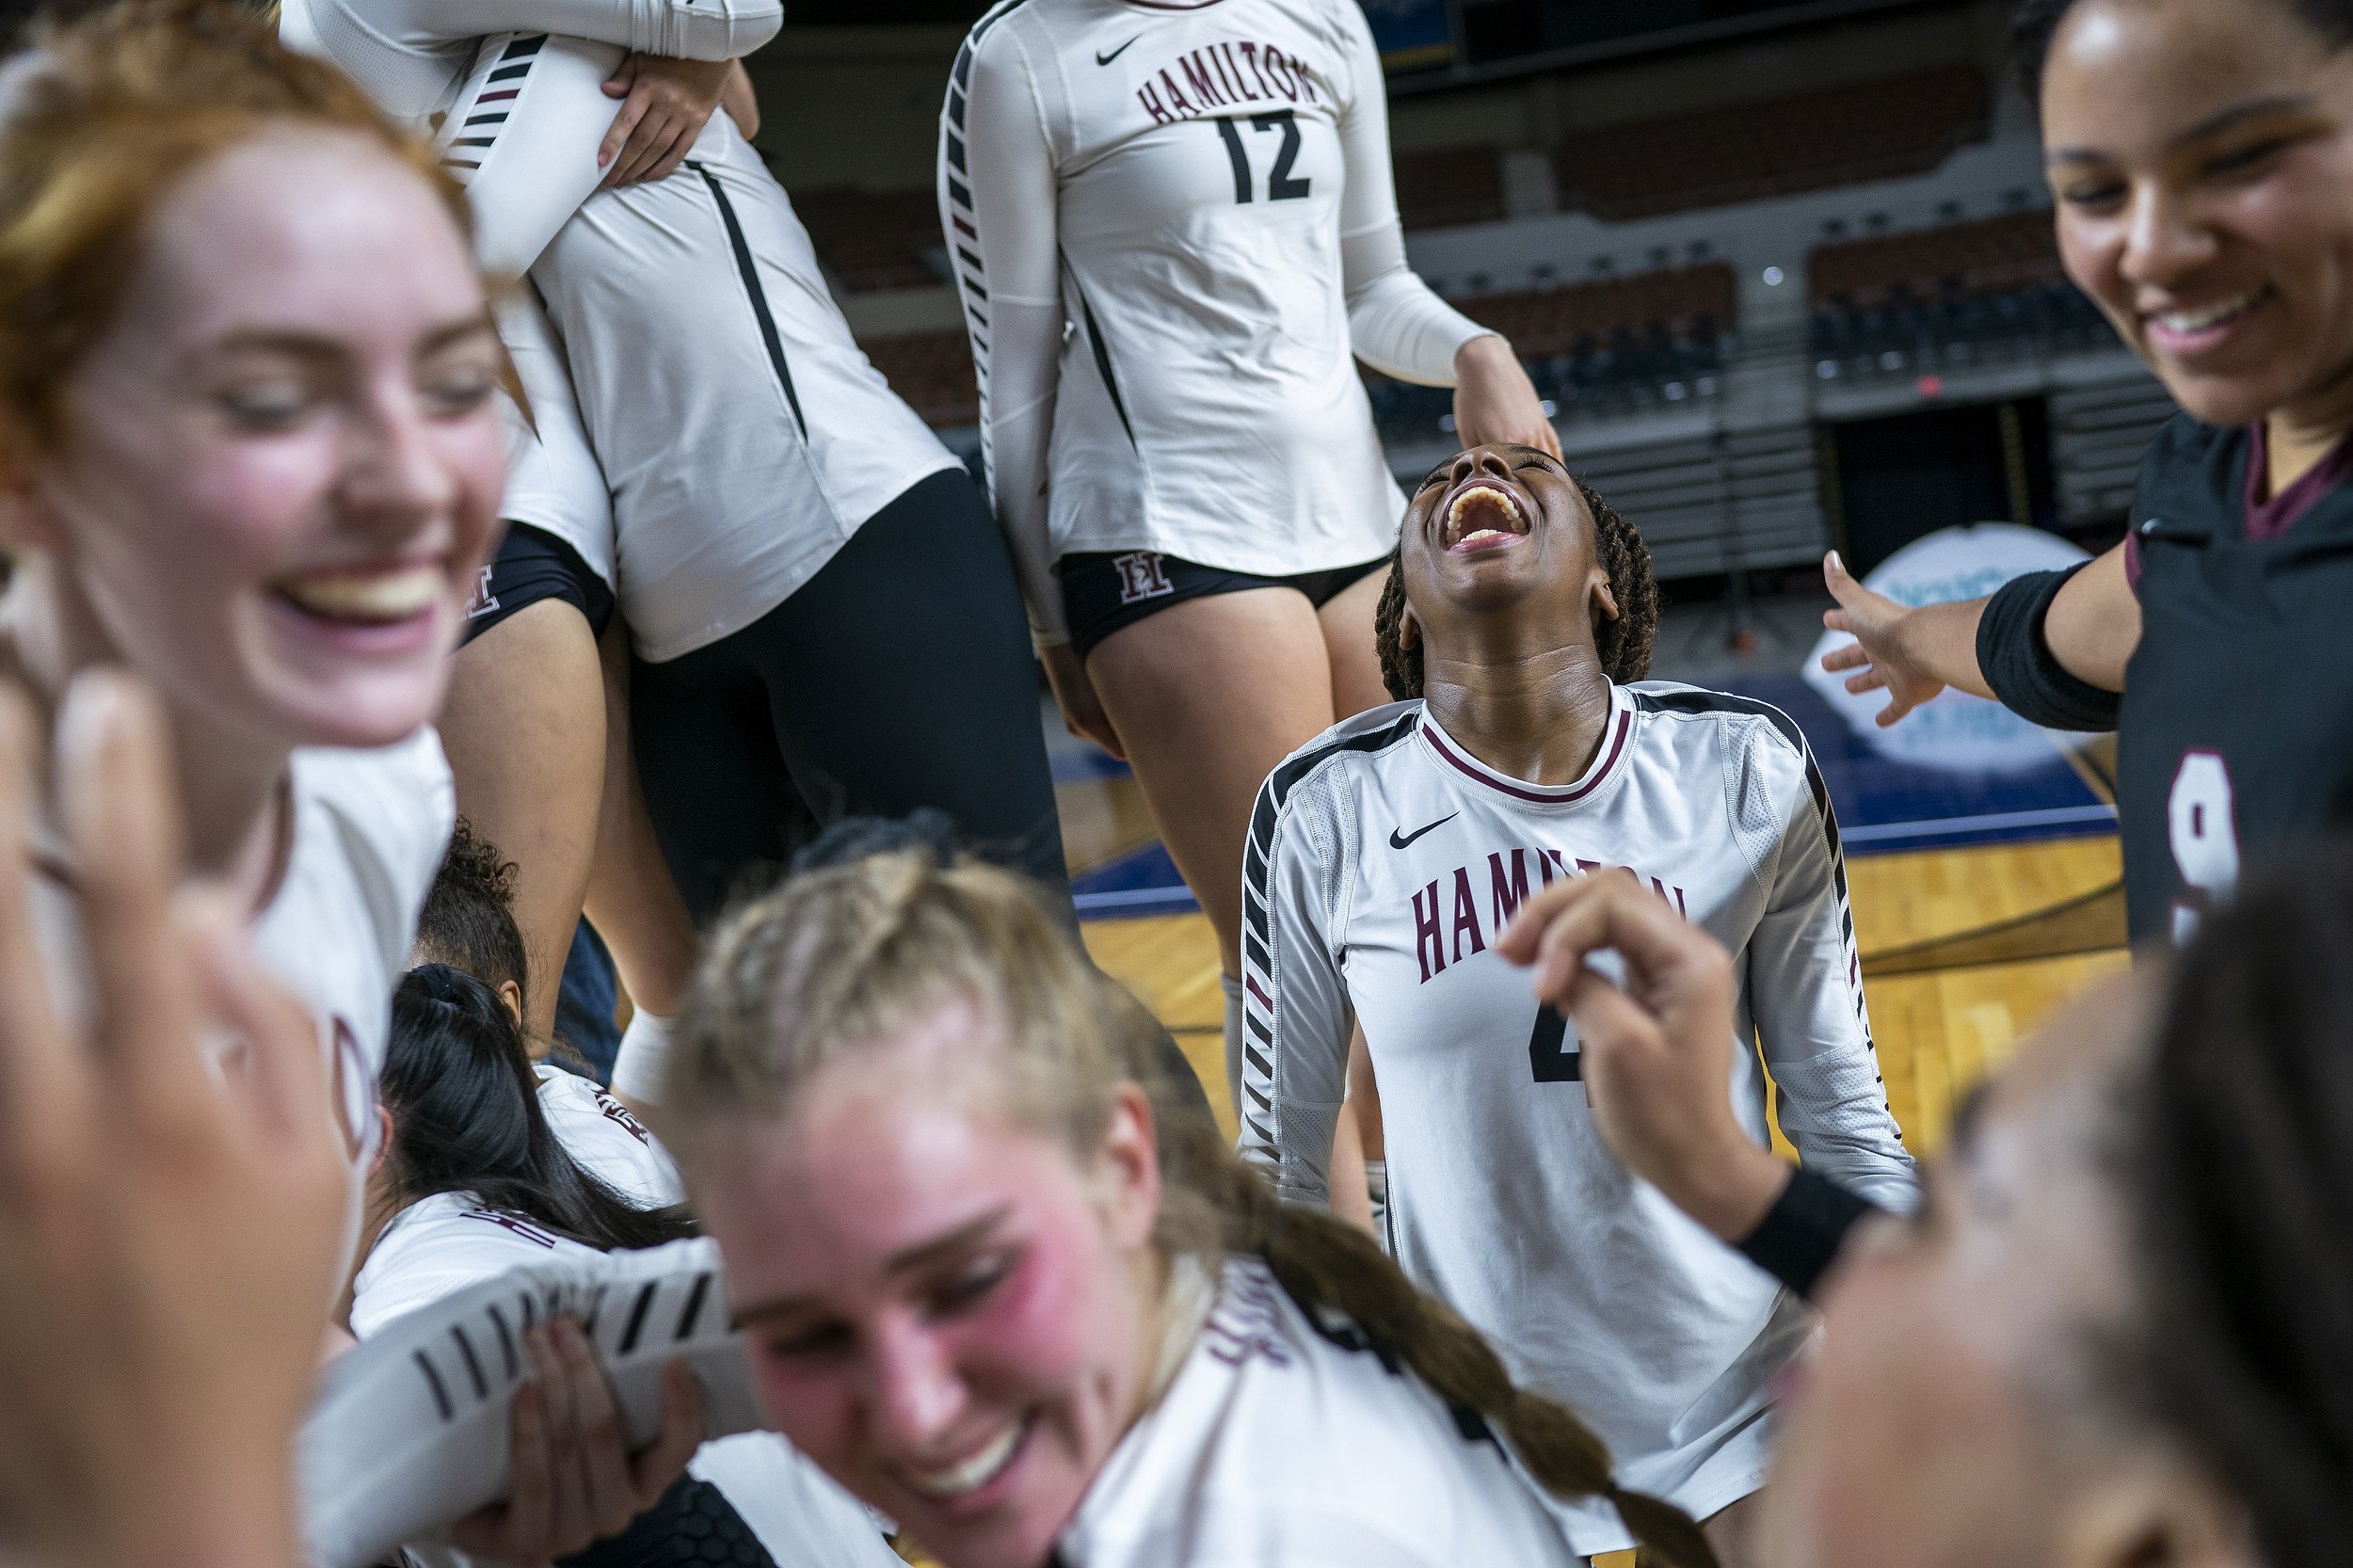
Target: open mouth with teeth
x=369 y=597
x=1482 y=516
x=2196 y=330
x=953 y=1483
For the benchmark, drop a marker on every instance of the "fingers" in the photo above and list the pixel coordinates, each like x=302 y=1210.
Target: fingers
x=1848 y=656
x=624 y=122
x=607 y=1490
x=1894 y=711
x=624 y=76
x=122 y=820
x=659 y=145
x=1558 y=929
x=1834 y=577
x=681 y=1434
x=42 y=1081
x=667 y=163
x=1870 y=680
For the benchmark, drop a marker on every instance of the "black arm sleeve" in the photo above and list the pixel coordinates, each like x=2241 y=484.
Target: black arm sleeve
x=1802 y=1233
x=2015 y=658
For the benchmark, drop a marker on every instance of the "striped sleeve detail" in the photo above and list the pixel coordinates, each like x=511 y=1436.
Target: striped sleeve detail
x=1262 y=956
x=1725 y=702
x=961 y=223
x=480 y=115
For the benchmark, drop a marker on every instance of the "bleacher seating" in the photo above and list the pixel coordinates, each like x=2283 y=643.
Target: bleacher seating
x=874 y=239
x=1881 y=130
x=1928 y=298
x=1613 y=346
x=1448 y=184
x=933 y=372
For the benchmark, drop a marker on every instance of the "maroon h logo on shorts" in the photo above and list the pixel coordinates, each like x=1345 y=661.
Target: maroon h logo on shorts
x=1141 y=576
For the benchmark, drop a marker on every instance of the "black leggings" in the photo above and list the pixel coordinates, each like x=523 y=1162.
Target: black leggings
x=899 y=677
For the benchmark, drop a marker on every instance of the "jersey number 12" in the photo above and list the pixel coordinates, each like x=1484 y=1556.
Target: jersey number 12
x=1280 y=185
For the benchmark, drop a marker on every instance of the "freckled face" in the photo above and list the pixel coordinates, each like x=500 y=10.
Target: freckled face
x=283 y=466
x=939 y=1305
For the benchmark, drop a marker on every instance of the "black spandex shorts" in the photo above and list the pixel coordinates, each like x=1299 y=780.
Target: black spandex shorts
x=532 y=564
x=1105 y=590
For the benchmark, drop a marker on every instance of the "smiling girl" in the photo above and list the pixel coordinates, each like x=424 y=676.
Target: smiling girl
x=250 y=454
x=2200 y=156
x=987 y=1288
x=1385 y=860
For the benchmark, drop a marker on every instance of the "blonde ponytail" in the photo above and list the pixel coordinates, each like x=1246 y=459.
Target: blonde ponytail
x=830 y=962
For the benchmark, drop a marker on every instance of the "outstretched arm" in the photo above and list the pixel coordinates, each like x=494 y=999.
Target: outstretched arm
x=2091 y=630
x=1396 y=323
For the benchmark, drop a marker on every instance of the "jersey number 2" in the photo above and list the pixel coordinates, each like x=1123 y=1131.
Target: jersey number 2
x=1548 y=1057
x=1280 y=186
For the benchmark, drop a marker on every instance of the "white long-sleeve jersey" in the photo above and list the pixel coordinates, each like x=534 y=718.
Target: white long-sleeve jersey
x=1382 y=860
x=1170 y=225
x=1278 y=1445
x=719 y=434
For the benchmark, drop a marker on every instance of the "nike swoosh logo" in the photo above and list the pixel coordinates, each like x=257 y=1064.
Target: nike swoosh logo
x=1106 y=59
x=1400 y=839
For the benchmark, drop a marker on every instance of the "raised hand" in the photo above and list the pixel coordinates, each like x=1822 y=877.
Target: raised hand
x=172 y=1191
x=1495 y=401
x=575 y=1481
x=665 y=104
x=1658 y=1051
x=1879 y=651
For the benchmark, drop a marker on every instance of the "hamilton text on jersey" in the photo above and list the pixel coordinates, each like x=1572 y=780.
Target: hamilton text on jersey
x=1435 y=933
x=1225 y=76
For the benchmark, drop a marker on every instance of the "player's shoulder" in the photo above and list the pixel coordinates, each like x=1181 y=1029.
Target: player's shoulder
x=1356 y=741
x=400 y=800
x=1011 y=27
x=1737 y=718
x=1294 y=1406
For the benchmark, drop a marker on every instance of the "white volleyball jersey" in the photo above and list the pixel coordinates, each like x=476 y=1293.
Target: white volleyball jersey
x=444 y=1243
x=609 y=1142
x=1277 y=1445
x=408 y=55
x=1382 y=862
x=1170 y=224
x=735 y=434
x=745 y=434
x=370 y=828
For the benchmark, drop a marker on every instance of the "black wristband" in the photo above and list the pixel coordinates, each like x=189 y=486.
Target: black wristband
x=1802 y=1233
x=2014 y=656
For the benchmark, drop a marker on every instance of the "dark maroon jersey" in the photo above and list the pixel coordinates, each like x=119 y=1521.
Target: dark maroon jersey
x=2234 y=742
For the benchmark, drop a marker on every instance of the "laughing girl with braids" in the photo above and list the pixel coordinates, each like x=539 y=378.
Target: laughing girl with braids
x=1385 y=859
x=990 y=1289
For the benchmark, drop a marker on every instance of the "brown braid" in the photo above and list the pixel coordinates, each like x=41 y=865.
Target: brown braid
x=835 y=959
x=1623 y=644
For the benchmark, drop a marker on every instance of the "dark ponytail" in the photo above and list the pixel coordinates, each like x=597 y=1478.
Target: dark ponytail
x=1624 y=646
x=466 y=1119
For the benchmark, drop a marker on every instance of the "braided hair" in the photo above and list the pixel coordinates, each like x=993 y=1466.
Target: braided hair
x=1623 y=644
x=834 y=959
x=2245 y=1206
